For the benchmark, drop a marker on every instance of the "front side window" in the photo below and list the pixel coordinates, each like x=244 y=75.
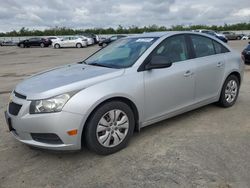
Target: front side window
x=203 y=46
x=173 y=49
x=122 y=53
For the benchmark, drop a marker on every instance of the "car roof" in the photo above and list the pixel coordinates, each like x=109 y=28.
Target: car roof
x=163 y=34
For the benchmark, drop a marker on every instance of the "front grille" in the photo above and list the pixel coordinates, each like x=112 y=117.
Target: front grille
x=14 y=108
x=18 y=95
x=48 y=138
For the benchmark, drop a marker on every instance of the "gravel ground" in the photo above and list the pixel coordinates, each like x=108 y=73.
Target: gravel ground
x=207 y=147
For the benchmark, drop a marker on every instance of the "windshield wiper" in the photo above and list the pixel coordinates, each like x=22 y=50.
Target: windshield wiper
x=99 y=65
x=81 y=62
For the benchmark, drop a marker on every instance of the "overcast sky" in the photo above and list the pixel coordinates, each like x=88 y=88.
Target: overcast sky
x=40 y=14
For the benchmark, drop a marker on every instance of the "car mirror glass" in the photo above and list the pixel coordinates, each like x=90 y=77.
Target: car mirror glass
x=158 y=62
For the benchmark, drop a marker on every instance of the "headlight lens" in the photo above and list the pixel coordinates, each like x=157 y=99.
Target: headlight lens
x=54 y=104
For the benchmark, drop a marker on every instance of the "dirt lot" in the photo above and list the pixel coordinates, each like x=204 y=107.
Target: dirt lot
x=208 y=147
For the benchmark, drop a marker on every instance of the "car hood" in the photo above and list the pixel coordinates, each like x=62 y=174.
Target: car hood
x=64 y=79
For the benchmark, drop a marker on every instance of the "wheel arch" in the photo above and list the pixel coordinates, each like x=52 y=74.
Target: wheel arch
x=235 y=73
x=78 y=43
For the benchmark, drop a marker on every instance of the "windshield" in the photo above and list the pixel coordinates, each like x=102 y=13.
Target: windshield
x=121 y=53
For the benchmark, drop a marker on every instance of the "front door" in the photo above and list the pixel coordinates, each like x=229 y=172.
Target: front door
x=172 y=88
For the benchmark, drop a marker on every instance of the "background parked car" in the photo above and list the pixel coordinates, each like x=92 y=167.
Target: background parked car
x=74 y=41
x=246 y=37
x=92 y=36
x=215 y=34
x=51 y=39
x=90 y=41
x=42 y=42
x=246 y=54
x=7 y=43
x=107 y=41
x=232 y=35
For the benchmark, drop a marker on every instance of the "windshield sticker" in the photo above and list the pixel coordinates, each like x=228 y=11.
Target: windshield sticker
x=144 y=40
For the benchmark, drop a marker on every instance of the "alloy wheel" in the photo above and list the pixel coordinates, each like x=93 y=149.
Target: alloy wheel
x=231 y=91
x=112 y=128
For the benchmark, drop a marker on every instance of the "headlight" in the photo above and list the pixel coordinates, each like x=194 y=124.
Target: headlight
x=54 y=104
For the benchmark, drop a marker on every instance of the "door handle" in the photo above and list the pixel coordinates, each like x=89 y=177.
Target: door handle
x=219 y=64
x=188 y=73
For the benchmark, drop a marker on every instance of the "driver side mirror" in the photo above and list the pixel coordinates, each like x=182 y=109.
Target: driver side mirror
x=158 y=62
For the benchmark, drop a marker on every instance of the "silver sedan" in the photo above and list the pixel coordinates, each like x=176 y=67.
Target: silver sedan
x=134 y=82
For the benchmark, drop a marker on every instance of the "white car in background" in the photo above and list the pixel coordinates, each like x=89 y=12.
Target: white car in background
x=72 y=41
x=246 y=37
x=54 y=39
x=90 y=41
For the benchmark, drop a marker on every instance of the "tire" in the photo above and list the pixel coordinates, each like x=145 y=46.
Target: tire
x=78 y=45
x=56 y=46
x=229 y=92
x=238 y=38
x=42 y=45
x=22 y=46
x=112 y=136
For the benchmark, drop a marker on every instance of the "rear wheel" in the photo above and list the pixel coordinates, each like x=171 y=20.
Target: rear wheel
x=22 y=45
x=230 y=91
x=109 y=128
x=42 y=45
x=79 y=45
x=57 y=46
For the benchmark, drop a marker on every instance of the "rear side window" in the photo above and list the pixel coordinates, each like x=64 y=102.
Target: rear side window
x=219 y=48
x=203 y=46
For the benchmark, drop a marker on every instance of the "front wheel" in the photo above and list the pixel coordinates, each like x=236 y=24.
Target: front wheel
x=109 y=128
x=230 y=91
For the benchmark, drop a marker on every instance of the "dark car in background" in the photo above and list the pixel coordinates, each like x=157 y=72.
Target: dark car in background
x=42 y=42
x=107 y=41
x=232 y=35
x=246 y=54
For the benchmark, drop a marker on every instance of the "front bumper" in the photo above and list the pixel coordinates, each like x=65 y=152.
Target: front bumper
x=23 y=125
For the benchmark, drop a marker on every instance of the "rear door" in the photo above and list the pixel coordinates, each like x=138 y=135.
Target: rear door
x=209 y=69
